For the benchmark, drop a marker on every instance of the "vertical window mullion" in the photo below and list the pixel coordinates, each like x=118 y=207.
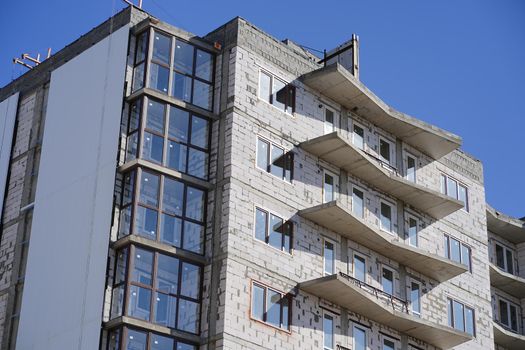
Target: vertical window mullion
x=268 y=222
x=142 y=126
x=131 y=253
x=265 y=296
x=171 y=64
x=153 y=291
x=148 y=57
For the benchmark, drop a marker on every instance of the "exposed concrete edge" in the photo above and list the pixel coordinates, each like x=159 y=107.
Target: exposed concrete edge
x=505 y=219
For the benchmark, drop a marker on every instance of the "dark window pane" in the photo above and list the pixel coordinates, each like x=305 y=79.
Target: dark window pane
x=510 y=262
x=125 y=221
x=194 y=204
x=132 y=146
x=167 y=274
x=388 y=345
x=204 y=65
x=129 y=186
x=152 y=147
x=170 y=230
x=459 y=320
x=290 y=99
x=500 y=257
x=288 y=168
x=159 y=342
x=273 y=308
x=142 y=267
x=513 y=317
x=183 y=61
x=181 y=87
x=179 y=120
x=286 y=312
x=122 y=265
x=288 y=237
x=260 y=224
x=264 y=87
x=277 y=162
x=415 y=299
x=411 y=169
x=149 y=189
x=165 y=310
x=384 y=150
x=359 y=137
x=258 y=302
x=449 y=312
x=139 y=303
x=359 y=268
x=161 y=48
x=158 y=78
x=199 y=132
x=134 y=115
x=172 y=197
x=328 y=188
x=263 y=149
x=146 y=222
x=138 y=77
x=177 y=156
x=198 y=163
x=465 y=256
x=136 y=340
x=190 y=281
x=155 y=116
x=329 y=258
x=117 y=300
x=114 y=340
x=279 y=94
x=202 y=94
x=503 y=313
x=142 y=46
x=193 y=237
x=386 y=217
x=412 y=232
x=358 y=202
x=188 y=319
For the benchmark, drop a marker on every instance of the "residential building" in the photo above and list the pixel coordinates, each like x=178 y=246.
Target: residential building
x=232 y=191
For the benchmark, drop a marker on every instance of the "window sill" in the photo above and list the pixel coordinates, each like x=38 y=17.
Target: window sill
x=284 y=331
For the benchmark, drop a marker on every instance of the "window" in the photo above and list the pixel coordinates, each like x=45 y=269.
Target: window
x=454 y=189
x=508 y=315
x=410 y=173
x=461 y=317
x=174 y=216
x=329 y=120
x=273 y=230
x=132 y=339
x=388 y=344
x=385 y=149
x=504 y=258
x=270 y=306
x=358 y=203
x=330 y=186
x=386 y=217
x=358 y=136
x=172 y=137
x=359 y=335
x=140 y=61
x=412 y=231
x=329 y=257
x=458 y=251
x=328 y=331
x=162 y=289
x=387 y=281
x=276 y=92
x=360 y=268
x=415 y=298
x=274 y=160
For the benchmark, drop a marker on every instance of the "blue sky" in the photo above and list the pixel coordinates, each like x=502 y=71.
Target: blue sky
x=457 y=64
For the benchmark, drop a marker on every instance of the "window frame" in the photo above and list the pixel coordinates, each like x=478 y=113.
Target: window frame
x=334 y=264
x=290 y=88
x=288 y=156
x=287 y=223
x=447 y=240
x=445 y=190
x=451 y=316
x=509 y=305
x=332 y=317
x=335 y=123
x=145 y=61
x=385 y=338
x=284 y=295
x=392 y=213
x=407 y=177
x=505 y=260
x=392 y=271
x=123 y=332
x=417 y=220
x=412 y=311
x=360 y=189
x=361 y=328
x=391 y=151
x=354 y=124
x=335 y=191
x=364 y=258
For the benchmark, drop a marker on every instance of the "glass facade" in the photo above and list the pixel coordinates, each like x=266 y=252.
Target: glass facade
x=133 y=339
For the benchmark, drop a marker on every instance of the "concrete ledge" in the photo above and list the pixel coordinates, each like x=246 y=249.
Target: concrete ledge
x=509 y=340
x=344 y=292
x=336 y=217
x=335 y=82
x=507 y=227
x=336 y=150
x=514 y=285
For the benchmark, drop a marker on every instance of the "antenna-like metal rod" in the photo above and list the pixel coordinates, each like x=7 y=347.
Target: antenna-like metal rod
x=140 y=4
x=48 y=52
x=36 y=60
x=17 y=60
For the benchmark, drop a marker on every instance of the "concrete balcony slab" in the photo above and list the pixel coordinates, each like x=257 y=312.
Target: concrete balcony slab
x=507 y=227
x=337 y=217
x=336 y=150
x=514 y=285
x=507 y=339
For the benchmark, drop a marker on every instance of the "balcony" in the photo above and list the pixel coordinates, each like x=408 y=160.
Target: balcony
x=514 y=285
x=511 y=229
x=335 y=82
x=374 y=304
x=508 y=339
x=336 y=217
x=336 y=150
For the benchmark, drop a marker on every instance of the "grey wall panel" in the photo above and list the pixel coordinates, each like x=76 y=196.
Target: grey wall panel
x=62 y=299
x=8 y=108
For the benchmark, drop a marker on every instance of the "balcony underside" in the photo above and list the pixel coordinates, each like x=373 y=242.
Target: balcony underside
x=507 y=282
x=511 y=229
x=338 y=218
x=509 y=340
x=340 y=85
x=341 y=291
x=334 y=149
